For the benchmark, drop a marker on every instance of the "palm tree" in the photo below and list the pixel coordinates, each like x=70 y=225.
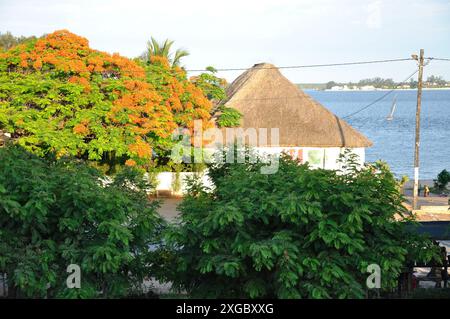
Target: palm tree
x=179 y=54
x=163 y=49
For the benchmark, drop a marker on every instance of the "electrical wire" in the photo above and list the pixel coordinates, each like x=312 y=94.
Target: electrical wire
x=288 y=66
x=438 y=59
x=328 y=65
x=306 y=65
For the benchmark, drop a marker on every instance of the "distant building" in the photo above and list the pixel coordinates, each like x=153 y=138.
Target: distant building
x=367 y=88
x=339 y=88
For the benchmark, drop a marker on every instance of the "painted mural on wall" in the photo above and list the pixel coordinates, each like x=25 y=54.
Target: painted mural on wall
x=312 y=156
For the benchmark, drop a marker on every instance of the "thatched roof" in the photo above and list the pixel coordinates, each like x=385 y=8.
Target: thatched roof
x=267 y=99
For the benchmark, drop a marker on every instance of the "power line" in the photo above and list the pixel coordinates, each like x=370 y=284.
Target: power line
x=307 y=65
x=285 y=67
x=438 y=59
x=381 y=97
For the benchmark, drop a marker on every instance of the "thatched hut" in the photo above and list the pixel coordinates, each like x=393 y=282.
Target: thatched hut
x=307 y=130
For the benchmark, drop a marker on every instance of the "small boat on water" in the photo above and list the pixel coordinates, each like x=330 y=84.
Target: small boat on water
x=390 y=117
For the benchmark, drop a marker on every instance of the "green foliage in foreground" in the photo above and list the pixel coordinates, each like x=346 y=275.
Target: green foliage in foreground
x=53 y=214
x=299 y=233
x=422 y=293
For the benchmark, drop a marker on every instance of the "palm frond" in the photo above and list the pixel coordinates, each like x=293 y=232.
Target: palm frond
x=180 y=53
x=163 y=49
x=155 y=47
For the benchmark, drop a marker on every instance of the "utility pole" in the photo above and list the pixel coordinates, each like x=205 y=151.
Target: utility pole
x=416 y=150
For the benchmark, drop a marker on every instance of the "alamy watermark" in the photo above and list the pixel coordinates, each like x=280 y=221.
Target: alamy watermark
x=373 y=281
x=208 y=146
x=74 y=279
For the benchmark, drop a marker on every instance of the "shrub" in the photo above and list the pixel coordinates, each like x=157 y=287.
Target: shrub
x=423 y=293
x=299 y=233
x=443 y=178
x=53 y=214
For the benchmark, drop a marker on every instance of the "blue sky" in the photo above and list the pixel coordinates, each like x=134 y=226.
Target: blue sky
x=240 y=33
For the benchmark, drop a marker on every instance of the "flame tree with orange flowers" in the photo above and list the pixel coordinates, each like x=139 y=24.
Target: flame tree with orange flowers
x=59 y=97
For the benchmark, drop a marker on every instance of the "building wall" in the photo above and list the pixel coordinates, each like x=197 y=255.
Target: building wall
x=317 y=158
x=166 y=181
x=325 y=157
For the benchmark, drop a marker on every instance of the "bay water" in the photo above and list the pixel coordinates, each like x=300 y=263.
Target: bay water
x=393 y=141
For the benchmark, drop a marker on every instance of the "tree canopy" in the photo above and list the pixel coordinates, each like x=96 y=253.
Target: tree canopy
x=8 y=40
x=59 y=96
x=298 y=233
x=436 y=80
x=57 y=213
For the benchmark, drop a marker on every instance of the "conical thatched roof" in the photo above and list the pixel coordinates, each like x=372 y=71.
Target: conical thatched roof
x=267 y=99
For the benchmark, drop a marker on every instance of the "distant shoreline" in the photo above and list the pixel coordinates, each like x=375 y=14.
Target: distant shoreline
x=387 y=89
x=372 y=90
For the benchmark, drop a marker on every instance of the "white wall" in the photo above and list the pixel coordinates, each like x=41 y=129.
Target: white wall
x=317 y=158
x=325 y=157
x=166 y=180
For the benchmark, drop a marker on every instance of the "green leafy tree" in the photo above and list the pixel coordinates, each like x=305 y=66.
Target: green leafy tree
x=214 y=88
x=413 y=84
x=330 y=84
x=443 y=178
x=436 y=80
x=8 y=40
x=53 y=214
x=228 y=117
x=299 y=233
x=57 y=95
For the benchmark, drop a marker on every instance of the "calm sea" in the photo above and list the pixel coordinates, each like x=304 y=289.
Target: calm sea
x=393 y=141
